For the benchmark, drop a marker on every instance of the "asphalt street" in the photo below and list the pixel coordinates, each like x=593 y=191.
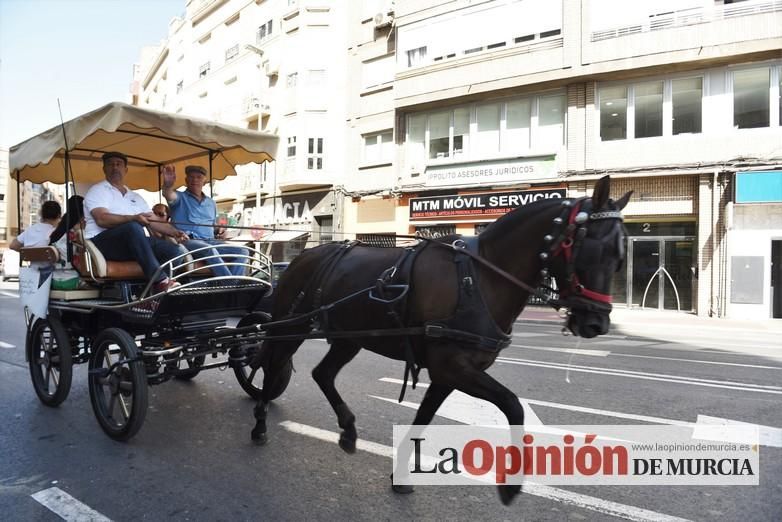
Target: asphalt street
x=193 y=458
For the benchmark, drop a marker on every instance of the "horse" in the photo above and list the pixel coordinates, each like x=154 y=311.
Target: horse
x=577 y=241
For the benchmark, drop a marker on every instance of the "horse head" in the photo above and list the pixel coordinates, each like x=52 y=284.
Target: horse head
x=585 y=251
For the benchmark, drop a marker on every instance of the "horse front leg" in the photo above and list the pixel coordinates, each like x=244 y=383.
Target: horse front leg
x=481 y=385
x=433 y=399
x=277 y=356
x=325 y=373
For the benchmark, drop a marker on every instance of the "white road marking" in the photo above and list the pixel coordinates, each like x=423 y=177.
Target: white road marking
x=577 y=351
x=4 y=344
x=330 y=436
x=528 y=334
x=693 y=381
x=67 y=507
x=598 y=505
x=622 y=342
x=9 y=294
x=768 y=435
x=699 y=361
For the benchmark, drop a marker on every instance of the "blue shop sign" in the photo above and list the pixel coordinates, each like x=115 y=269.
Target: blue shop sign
x=759 y=187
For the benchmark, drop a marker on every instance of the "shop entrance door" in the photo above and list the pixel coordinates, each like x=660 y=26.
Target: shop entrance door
x=661 y=272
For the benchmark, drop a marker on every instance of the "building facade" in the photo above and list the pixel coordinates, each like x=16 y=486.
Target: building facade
x=507 y=101
x=437 y=116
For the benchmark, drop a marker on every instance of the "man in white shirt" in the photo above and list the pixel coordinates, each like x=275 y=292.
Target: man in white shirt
x=116 y=217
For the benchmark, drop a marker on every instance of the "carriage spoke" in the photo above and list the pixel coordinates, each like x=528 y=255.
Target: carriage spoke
x=124 y=408
x=110 y=406
x=46 y=379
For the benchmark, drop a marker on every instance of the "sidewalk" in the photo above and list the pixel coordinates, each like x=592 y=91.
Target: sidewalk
x=636 y=319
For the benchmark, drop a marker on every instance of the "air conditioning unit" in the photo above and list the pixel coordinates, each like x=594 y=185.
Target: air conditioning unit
x=383 y=19
x=271 y=68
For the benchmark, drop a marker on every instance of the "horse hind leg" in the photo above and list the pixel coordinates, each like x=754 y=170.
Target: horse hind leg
x=279 y=353
x=325 y=373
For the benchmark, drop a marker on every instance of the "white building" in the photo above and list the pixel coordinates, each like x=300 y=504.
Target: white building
x=279 y=66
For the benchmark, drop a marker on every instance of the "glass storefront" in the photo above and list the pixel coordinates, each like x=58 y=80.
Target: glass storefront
x=660 y=270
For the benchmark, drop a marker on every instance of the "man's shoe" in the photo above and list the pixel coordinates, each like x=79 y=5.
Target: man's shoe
x=165 y=285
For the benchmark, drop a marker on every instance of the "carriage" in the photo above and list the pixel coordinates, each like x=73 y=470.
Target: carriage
x=130 y=335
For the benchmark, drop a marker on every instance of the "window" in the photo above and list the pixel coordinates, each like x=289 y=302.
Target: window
x=439 y=129
x=416 y=56
x=291 y=146
x=315 y=154
x=179 y=86
x=291 y=79
x=326 y=228
x=613 y=113
x=477 y=131
x=416 y=138
x=651 y=109
x=686 y=96
x=461 y=131
x=378 y=148
x=551 y=122
x=487 y=140
x=264 y=31
x=203 y=70
x=648 y=109
x=517 y=126
x=751 y=98
x=231 y=53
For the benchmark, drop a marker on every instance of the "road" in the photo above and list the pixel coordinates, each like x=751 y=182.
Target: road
x=193 y=459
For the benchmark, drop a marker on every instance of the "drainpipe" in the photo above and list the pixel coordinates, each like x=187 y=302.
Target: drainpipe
x=713 y=241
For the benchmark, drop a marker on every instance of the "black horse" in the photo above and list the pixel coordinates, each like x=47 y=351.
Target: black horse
x=461 y=305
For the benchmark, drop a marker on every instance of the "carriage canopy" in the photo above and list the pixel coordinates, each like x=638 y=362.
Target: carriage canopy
x=149 y=138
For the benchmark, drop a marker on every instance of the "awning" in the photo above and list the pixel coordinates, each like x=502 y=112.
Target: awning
x=148 y=138
x=278 y=236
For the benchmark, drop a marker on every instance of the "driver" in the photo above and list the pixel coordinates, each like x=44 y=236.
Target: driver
x=116 y=218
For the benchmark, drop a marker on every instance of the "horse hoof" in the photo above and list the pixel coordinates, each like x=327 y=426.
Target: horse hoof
x=259 y=439
x=348 y=445
x=508 y=493
x=402 y=489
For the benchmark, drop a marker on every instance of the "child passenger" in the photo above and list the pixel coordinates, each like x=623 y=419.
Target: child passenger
x=38 y=234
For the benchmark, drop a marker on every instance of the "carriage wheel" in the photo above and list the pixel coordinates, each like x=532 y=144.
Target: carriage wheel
x=118 y=384
x=194 y=365
x=254 y=387
x=51 y=364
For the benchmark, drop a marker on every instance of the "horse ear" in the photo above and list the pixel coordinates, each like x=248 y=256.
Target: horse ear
x=622 y=202
x=601 y=192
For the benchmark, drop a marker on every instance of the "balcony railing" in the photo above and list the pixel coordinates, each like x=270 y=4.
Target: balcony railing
x=694 y=16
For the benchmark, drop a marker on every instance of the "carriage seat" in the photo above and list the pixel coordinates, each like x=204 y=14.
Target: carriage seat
x=46 y=254
x=102 y=268
x=117 y=270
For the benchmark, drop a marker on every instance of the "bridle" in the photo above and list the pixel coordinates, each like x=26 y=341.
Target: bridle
x=567 y=240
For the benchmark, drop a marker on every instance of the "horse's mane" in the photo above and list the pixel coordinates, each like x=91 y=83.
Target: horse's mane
x=510 y=221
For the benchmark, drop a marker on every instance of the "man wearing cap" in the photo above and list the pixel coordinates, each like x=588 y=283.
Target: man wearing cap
x=115 y=220
x=194 y=213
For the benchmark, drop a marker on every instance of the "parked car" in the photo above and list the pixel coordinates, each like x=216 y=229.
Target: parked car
x=10 y=265
x=265 y=305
